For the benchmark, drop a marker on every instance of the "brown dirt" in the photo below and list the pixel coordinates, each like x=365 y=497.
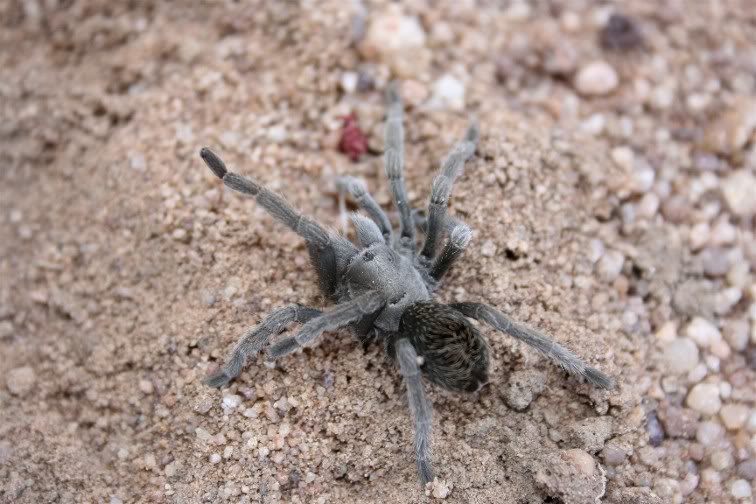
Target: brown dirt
x=128 y=273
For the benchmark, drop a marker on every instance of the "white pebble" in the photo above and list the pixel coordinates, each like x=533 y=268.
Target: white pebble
x=610 y=265
x=349 y=82
x=488 y=249
x=146 y=386
x=738 y=190
x=680 y=356
x=703 y=332
x=596 y=78
x=740 y=489
x=215 y=458
x=448 y=93
x=721 y=460
x=708 y=433
x=698 y=373
x=20 y=381
x=734 y=416
x=231 y=401
x=704 y=398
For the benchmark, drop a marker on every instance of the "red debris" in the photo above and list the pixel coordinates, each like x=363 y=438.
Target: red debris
x=353 y=141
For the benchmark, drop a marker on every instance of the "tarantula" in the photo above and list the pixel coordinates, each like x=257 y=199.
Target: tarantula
x=383 y=287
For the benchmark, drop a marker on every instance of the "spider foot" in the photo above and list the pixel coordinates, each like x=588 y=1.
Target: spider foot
x=217 y=380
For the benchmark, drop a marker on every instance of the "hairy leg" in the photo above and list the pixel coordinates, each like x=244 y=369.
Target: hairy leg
x=339 y=316
x=548 y=347
x=359 y=192
x=255 y=338
x=442 y=187
x=459 y=238
x=319 y=241
x=419 y=407
x=394 y=163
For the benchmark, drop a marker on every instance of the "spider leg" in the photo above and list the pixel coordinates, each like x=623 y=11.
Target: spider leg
x=255 y=338
x=548 y=347
x=394 y=163
x=341 y=315
x=326 y=251
x=359 y=192
x=459 y=237
x=442 y=187
x=419 y=406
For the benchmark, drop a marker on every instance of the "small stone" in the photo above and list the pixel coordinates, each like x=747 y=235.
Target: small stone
x=202 y=434
x=610 y=265
x=137 y=162
x=146 y=386
x=747 y=469
x=738 y=190
x=714 y=261
x=215 y=458
x=590 y=434
x=734 y=416
x=709 y=433
x=581 y=460
x=20 y=381
x=523 y=387
x=488 y=249
x=448 y=93
x=398 y=40
x=277 y=134
x=721 y=460
x=704 y=398
x=231 y=401
x=679 y=422
x=349 y=82
x=740 y=489
x=620 y=33
x=440 y=489
x=703 y=332
x=596 y=78
x=613 y=454
x=6 y=329
x=734 y=129
x=203 y=404
x=680 y=356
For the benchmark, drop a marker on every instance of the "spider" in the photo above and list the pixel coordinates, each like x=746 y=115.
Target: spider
x=383 y=286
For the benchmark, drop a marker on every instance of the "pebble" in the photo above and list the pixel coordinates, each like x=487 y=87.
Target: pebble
x=734 y=416
x=738 y=190
x=215 y=458
x=448 y=93
x=581 y=460
x=709 y=433
x=349 y=82
x=146 y=386
x=679 y=422
x=703 y=332
x=488 y=249
x=523 y=387
x=20 y=381
x=704 y=398
x=680 y=356
x=740 y=489
x=440 y=489
x=231 y=401
x=590 y=434
x=734 y=129
x=610 y=265
x=6 y=329
x=721 y=460
x=596 y=78
x=399 y=40
x=747 y=469
x=613 y=454
x=714 y=261
x=203 y=404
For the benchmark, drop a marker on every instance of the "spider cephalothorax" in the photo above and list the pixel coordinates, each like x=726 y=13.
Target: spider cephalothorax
x=383 y=287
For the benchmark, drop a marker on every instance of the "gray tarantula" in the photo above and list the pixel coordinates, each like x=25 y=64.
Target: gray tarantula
x=383 y=287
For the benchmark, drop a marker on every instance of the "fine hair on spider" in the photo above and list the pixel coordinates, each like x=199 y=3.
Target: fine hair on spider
x=382 y=286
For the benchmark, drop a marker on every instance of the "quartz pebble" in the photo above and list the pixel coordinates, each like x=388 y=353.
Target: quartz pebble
x=596 y=78
x=448 y=93
x=680 y=356
x=740 y=489
x=704 y=398
x=738 y=190
x=709 y=433
x=734 y=416
x=703 y=332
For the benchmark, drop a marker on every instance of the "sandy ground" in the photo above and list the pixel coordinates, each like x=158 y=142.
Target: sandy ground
x=612 y=208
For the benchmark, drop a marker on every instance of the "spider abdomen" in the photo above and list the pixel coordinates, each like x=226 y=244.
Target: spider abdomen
x=454 y=353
